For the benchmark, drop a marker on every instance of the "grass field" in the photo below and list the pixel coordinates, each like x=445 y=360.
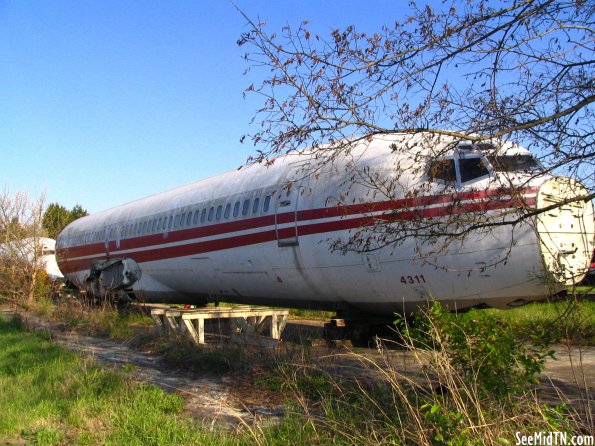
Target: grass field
x=565 y=320
x=51 y=396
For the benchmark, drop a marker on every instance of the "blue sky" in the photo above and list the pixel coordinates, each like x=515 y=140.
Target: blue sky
x=103 y=102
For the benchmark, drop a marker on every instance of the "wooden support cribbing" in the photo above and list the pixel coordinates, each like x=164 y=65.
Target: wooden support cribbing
x=196 y=329
x=158 y=315
x=248 y=324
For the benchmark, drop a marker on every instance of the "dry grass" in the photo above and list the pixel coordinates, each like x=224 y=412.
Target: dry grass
x=437 y=401
x=442 y=397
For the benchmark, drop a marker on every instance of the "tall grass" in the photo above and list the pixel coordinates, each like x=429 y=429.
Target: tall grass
x=472 y=382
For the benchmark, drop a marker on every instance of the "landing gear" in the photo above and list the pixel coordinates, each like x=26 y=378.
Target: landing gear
x=361 y=332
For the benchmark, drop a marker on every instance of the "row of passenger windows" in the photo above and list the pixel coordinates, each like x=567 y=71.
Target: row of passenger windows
x=181 y=219
x=197 y=216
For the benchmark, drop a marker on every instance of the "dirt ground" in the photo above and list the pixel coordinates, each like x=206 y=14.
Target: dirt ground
x=222 y=400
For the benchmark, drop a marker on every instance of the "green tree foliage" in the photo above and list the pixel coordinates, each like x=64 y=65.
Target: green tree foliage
x=57 y=217
x=78 y=212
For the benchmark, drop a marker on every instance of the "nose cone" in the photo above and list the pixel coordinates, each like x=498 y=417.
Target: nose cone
x=566 y=231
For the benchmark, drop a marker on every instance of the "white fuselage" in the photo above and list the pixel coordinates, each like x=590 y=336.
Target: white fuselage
x=263 y=235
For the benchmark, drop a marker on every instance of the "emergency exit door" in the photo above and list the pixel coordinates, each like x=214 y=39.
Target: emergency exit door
x=286 y=217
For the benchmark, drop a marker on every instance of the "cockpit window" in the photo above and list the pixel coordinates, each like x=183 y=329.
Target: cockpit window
x=513 y=163
x=442 y=170
x=472 y=168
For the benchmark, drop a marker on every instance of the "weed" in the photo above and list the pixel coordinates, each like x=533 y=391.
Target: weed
x=475 y=386
x=572 y=319
x=482 y=350
x=180 y=351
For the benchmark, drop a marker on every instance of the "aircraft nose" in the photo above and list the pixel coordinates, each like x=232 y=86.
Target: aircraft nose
x=566 y=229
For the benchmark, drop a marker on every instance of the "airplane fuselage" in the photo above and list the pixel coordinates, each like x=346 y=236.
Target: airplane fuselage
x=275 y=235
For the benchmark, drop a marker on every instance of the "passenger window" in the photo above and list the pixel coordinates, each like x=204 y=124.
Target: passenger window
x=472 y=168
x=183 y=219
x=255 y=205
x=177 y=221
x=227 y=210
x=171 y=220
x=211 y=212
x=245 y=207
x=236 y=209
x=219 y=210
x=203 y=215
x=266 y=204
x=195 y=219
x=189 y=219
x=443 y=170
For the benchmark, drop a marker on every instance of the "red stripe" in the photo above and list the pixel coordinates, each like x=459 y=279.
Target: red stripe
x=68 y=266
x=286 y=217
x=174 y=236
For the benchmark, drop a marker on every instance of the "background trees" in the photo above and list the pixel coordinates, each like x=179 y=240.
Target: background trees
x=20 y=252
x=23 y=223
x=56 y=217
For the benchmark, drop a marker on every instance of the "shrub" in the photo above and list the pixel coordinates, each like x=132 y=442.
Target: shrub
x=484 y=350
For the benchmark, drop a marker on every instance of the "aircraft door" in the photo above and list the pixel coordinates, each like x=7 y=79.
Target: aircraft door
x=106 y=234
x=286 y=217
